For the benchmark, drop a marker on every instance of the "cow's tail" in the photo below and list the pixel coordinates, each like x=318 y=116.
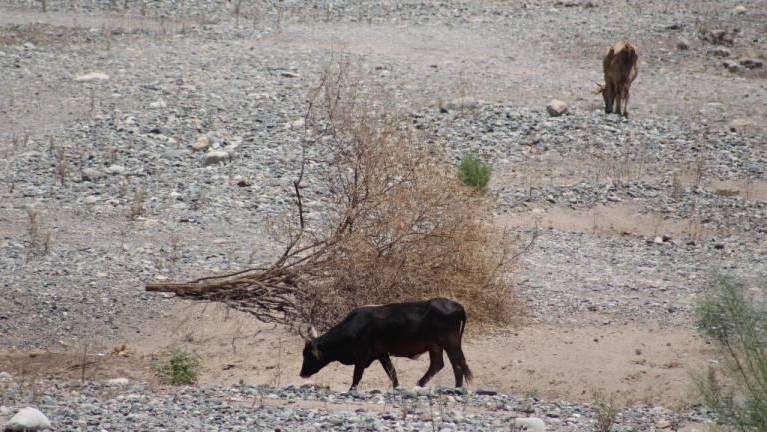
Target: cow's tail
x=464 y=366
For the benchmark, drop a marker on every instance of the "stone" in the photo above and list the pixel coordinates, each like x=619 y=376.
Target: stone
x=719 y=52
x=202 y=143
x=158 y=104
x=741 y=124
x=750 y=63
x=93 y=76
x=663 y=424
x=115 y=169
x=92 y=174
x=28 y=419
x=118 y=382
x=289 y=74
x=739 y=10
x=215 y=157
x=465 y=102
x=530 y=424
x=731 y=66
x=682 y=44
x=5 y=376
x=556 y=108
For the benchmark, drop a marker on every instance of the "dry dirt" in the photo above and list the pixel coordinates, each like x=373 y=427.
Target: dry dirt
x=637 y=364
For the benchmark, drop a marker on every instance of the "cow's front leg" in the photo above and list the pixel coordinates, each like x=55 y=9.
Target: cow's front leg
x=358 y=370
x=618 y=94
x=389 y=368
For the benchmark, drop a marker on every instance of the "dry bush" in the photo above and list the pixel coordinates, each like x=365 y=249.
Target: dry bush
x=398 y=225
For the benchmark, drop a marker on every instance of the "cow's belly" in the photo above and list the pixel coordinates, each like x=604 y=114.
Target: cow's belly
x=410 y=350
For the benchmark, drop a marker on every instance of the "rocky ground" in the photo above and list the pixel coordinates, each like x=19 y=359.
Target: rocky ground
x=156 y=141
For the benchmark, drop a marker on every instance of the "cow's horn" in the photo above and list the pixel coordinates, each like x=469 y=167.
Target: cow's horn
x=313 y=332
x=304 y=336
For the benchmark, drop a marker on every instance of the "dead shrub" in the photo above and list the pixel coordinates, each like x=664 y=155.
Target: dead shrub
x=398 y=225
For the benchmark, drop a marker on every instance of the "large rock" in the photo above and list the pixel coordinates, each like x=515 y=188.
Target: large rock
x=530 y=424
x=215 y=157
x=28 y=419
x=556 y=108
x=739 y=10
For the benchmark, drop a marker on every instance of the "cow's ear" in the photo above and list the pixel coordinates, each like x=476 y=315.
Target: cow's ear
x=313 y=332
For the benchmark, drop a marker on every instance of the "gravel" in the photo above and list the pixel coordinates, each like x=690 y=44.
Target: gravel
x=96 y=407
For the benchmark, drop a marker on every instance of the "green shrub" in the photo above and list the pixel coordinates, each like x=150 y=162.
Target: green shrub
x=738 y=322
x=180 y=369
x=473 y=172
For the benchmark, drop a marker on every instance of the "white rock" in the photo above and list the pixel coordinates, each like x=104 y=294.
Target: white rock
x=92 y=77
x=556 y=108
x=28 y=419
x=92 y=199
x=530 y=424
x=158 y=104
x=5 y=411
x=214 y=157
x=739 y=10
x=92 y=174
x=118 y=382
x=115 y=169
x=741 y=124
x=5 y=376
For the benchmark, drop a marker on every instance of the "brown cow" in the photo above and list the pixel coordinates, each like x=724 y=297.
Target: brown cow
x=620 y=68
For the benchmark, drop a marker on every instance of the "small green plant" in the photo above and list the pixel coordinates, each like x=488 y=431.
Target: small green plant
x=730 y=315
x=473 y=172
x=181 y=368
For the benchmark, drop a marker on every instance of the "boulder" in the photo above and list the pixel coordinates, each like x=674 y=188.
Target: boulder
x=28 y=419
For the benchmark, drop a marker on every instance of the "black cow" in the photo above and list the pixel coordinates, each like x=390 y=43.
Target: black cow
x=371 y=333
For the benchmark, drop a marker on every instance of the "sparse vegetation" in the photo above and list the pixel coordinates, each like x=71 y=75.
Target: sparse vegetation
x=39 y=238
x=180 y=369
x=736 y=318
x=137 y=205
x=473 y=172
x=605 y=410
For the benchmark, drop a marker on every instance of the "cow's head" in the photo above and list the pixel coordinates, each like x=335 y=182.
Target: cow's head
x=313 y=357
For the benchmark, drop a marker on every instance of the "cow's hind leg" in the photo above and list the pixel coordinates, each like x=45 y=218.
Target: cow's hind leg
x=458 y=361
x=435 y=365
x=389 y=368
x=358 y=370
x=626 y=103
